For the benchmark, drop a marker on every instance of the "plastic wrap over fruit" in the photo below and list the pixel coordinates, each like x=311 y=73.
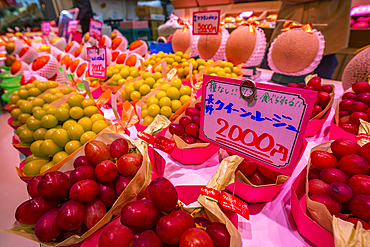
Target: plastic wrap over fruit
x=60 y=43
x=29 y=55
x=296 y=52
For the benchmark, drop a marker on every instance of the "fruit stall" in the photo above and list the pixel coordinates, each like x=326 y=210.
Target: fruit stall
x=107 y=144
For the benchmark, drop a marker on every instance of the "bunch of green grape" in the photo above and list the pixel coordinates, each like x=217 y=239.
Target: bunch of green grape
x=120 y=74
x=166 y=101
x=54 y=133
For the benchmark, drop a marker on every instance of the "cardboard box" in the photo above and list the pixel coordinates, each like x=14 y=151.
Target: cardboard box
x=133 y=24
x=153 y=17
x=184 y=4
x=153 y=24
x=214 y=2
x=305 y=225
x=147 y=10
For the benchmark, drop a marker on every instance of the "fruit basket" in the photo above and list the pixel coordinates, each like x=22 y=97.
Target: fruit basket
x=255 y=186
x=336 y=193
x=70 y=180
x=352 y=106
x=189 y=150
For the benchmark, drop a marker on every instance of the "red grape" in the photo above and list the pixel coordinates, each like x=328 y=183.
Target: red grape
x=121 y=182
x=219 y=234
x=32 y=186
x=118 y=148
x=292 y=85
x=364 y=98
x=176 y=129
x=357 y=106
x=315 y=82
x=189 y=139
x=356 y=116
x=96 y=152
x=148 y=238
x=345 y=104
x=163 y=194
x=361 y=87
x=47 y=228
x=192 y=130
x=324 y=99
x=170 y=227
x=139 y=215
x=269 y=173
x=196 y=120
x=191 y=112
x=247 y=167
x=54 y=186
x=198 y=106
x=343 y=113
x=81 y=161
x=327 y=89
x=349 y=95
x=301 y=85
x=81 y=173
x=184 y=121
x=71 y=215
x=106 y=171
x=308 y=88
x=30 y=211
x=107 y=194
x=84 y=191
x=195 y=237
x=317 y=109
x=117 y=236
x=257 y=178
x=202 y=221
x=94 y=212
x=129 y=164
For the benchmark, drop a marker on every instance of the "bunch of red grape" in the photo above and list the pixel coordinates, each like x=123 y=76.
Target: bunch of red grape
x=323 y=97
x=154 y=222
x=340 y=180
x=188 y=126
x=85 y=193
x=354 y=106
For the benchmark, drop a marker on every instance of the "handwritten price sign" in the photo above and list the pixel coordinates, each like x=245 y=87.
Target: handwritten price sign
x=97 y=58
x=269 y=130
x=95 y=29
x=45 y=27
x=72 y=26
x=206 y=22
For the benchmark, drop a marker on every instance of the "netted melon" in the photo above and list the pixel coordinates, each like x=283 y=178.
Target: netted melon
x=181 y=40
x=358 y=69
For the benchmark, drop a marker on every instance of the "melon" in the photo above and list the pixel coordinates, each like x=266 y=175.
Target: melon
x=240 y=45
x=358 y=69
x=208 y=45
x=294 y=51
x=181 y=40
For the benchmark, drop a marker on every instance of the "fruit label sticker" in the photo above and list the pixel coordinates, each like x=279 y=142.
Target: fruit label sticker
x=72 y=26
x=268 y=130
x=95 y=29
x=45 y=27
x=97 y=57
x=206 y=22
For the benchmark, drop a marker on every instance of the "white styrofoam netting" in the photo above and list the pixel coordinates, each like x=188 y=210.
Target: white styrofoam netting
x=29 y=56
x=83 y=54
x=80 y=61
x=18 y=45
x=141 y=50
x=113 y=52
x=54 y=51
x=138 y=57
x=83 y=76
x=259 y=49
x=123 y=45
x=109 y=56
x=28 y=75
x=308 y=69
x=23 y=68
x=74 y=48
x=107 y=41
x=60 y=77
x=60 y=43
x=49 y=69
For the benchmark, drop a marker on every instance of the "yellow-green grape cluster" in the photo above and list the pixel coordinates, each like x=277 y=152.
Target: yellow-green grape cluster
x=136 y=90
x=54 y=133
x=198 y=65
x=166 y=101
x=94 y=81
x=226 y=69
x=26 y=108
x=30 y=91
x=120 y=74
x=172 y=60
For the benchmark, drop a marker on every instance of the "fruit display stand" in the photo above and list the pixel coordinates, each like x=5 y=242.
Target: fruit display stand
x=270 y=224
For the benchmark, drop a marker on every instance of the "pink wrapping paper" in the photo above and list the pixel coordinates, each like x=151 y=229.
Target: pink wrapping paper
x=10 y=121
x=305 y=225
x=264 y=193
x=314 y=126
x=194 y=156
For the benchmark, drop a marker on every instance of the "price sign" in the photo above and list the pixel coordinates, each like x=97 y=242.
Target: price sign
x=206 y=22
x=45 y=27
x=268 y=130
x=97 y=57
x=72 y=26
x=95 y=29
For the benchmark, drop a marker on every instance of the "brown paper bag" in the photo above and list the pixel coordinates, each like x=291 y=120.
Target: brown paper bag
x=137 y=186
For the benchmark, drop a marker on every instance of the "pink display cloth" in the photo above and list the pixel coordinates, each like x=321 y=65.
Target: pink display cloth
x=270 y=224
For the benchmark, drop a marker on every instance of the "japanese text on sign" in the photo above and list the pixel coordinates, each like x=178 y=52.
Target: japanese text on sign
x=269 y=129
x=97 y=58
x=72 y=26
x=206 y=22
x=95 y=29
x=46 y=27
